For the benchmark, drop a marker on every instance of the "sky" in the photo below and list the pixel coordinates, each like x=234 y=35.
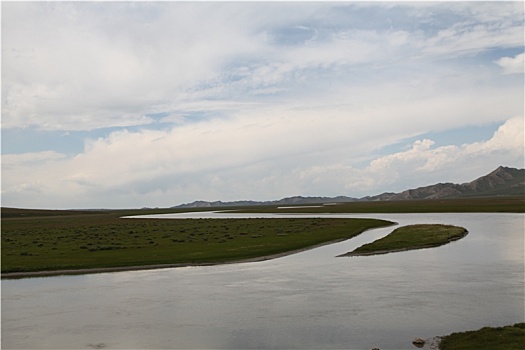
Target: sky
x=155 y=104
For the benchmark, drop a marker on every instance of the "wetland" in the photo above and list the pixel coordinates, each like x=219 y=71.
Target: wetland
x=306 y=300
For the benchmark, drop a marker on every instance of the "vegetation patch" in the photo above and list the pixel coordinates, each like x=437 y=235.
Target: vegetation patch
x=510 y=204
x=487 y=338
x=412 y=237
x=100 y=240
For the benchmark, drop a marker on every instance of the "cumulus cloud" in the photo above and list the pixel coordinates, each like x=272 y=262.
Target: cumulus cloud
x=253 y=100
x=511 y=65
x=424 y=164
x=196 y=162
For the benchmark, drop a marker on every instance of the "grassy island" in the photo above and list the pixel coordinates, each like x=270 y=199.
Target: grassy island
x=412 y=237
x=47 y=241
x=487 y=338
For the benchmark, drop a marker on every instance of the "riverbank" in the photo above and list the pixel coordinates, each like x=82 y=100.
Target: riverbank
x=32 y=274
x=433 y=343
x=310 y=297
x=105 y=241
x=510 y=337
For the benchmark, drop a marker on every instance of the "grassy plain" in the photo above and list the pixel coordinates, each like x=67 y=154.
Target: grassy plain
x=511 y=204
x=412 y=237
x=487 y=338
x=46 y=241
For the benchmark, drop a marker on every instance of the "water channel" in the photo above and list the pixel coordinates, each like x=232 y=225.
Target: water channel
x=308 y=300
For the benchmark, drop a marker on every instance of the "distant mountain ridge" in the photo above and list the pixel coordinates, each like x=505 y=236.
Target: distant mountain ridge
x=501 y=182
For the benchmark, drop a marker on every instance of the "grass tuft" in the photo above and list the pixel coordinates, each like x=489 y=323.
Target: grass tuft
x=487 y=338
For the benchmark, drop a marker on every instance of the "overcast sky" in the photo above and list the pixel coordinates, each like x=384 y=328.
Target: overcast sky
x=126 y=105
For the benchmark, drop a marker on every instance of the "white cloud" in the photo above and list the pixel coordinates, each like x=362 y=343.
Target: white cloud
x=71 y=66
x=19 y=178
x=464 y=38
x=253 y=100
x=205 y=161
x=14 y=160
x=512 y=65
x=423 y=164
x=81 y=66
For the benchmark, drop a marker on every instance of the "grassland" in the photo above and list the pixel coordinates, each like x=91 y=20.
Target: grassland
x=412 y=237
x=52 y=240
x=78 y=240
x=514 y=204
x=487 y=338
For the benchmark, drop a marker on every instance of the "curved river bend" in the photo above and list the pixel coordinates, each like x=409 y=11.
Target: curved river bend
x=309 y=300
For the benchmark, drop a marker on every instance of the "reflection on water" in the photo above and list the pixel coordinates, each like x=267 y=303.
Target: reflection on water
x=306 y=300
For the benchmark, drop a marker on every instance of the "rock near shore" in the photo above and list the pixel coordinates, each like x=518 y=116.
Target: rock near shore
x=418 y=342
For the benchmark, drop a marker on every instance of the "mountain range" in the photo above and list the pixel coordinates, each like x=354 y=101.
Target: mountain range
x=503 y=181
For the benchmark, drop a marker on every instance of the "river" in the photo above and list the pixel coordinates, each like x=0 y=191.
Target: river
x=308 y=300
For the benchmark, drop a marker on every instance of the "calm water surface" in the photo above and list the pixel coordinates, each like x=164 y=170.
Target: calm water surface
x=310 y=300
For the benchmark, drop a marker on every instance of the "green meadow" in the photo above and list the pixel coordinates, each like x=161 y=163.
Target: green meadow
x=52 y=240
x=412 y=237
x=46 y=241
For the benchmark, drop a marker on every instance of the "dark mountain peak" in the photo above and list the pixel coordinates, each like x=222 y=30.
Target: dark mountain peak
x=503 y=181
x=507 y=173
x=510 y=178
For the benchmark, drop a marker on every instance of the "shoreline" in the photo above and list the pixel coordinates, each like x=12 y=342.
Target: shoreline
x=95 y=270
x=397 y=250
